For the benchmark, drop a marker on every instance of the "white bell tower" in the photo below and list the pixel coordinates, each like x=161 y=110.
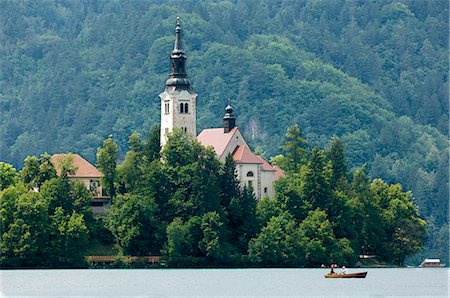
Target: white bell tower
x=178 y=101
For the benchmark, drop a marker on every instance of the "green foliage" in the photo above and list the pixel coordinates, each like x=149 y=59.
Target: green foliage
x=70 y=235
x=47 y=228
x=30 y=170
x=338 y=160
x=107 y=157
x=192 y=172
x=242 y=220
x=406 y=230
x=38 y=170
x=266 y=209
x=25 y=227
x=133 y=222
x=177 y=239
x=279 y=243
x=151 y=146
x=213 y=236
x=294 y=148
x=66 y=166
x=8 y=175
x=317 y=177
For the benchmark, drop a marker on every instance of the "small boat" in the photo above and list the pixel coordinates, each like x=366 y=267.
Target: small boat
x=431 y=263
x=348 y=275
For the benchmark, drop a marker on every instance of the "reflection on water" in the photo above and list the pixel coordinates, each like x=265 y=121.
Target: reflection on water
x=223 y=282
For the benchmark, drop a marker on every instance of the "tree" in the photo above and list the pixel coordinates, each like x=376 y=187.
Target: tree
x=290 y=198
x=177 y=239
x=133 y=222
x=152 y=145
x=66 y=166
x=61 y=192
x=107 y=160
x=317 y=174
x=192 y=172
x=242 y=219
x=367 y=214
x=30 y=171
x=69 y=239
x=25 y=226
x=46 y=169
x=405 y=230
x=280 y=242
x=294 y=148
x=213 y=236
x=338 y=161
x=8 y=175
x=266 y=208
x=320 y=238
x=131 y=172
x=229 y=184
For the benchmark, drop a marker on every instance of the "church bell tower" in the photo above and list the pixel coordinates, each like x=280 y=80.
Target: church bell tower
x=178 y=101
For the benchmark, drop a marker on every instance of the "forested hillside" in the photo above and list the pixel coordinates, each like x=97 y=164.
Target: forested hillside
x=374 y=73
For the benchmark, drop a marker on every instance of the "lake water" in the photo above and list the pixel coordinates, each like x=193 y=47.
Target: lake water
x=223 y=282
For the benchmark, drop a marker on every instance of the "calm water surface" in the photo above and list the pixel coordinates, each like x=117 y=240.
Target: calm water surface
x=223 y=282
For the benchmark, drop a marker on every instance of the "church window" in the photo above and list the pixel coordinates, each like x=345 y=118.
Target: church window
x=181 y=108
x=166 y=108
x=265 y=189
x=185 y=129
x=250 y=174
x=166 y=131
x=250 y=183
x=186 y=108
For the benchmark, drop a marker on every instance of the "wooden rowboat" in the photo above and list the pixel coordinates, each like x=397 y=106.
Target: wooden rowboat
x=349 y=275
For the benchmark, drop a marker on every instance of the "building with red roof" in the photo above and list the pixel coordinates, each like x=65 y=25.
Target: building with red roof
x=178 y=110
x=88 y=175
x=251 y=169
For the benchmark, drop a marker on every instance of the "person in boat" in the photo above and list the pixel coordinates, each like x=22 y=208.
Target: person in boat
x=332 y=269
x=344 y=270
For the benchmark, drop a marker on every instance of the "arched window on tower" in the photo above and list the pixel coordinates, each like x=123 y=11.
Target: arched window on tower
x=250 y=174
x=181 y=108
x=186 y=108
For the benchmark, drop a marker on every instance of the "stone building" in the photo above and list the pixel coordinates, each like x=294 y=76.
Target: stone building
x=178 y=110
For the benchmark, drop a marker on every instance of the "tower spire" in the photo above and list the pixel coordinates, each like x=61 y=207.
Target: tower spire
x=229 y=122
x=177 y=76
x=177 y=46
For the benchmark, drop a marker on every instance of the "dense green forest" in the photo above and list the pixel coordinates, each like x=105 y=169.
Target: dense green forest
x=374 y=73
x=183 y=203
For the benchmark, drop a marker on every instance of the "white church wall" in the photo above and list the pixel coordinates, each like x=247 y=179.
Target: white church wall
x=174 y=118
x=243 y=170
x=267 y=184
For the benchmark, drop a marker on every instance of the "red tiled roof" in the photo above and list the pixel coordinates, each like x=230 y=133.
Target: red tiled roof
x=279 y=173
x=216 y=138
x=265 y=165
x=84 y=168
x=243 y=154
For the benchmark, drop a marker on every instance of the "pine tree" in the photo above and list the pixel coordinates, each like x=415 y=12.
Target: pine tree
x=317 y=189
x=294 y=148
x=152 y=146
x=339 y=163
x=229 y=183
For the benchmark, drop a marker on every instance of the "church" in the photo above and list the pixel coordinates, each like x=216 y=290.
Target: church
x=178 y=110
